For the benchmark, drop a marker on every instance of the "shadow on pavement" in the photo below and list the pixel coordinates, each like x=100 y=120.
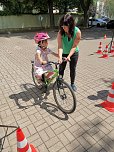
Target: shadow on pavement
x=103 y=93
x=31 y=92
x=92 y=131
x=1 y=145
x=100 y=95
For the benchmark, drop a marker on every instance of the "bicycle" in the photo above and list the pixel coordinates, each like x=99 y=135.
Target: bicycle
x=63 y=94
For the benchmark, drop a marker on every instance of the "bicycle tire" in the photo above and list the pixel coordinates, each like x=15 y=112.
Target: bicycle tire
x=58 y=96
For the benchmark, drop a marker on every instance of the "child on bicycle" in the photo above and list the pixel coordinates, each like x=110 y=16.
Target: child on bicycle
x=41 y=56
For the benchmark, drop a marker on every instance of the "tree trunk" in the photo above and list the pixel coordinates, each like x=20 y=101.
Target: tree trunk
x=50 y=4
x=86 y=18
x=85 y=6
x=65 y=8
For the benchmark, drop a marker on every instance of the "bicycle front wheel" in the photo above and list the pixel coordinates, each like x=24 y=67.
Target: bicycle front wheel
x=64 y=96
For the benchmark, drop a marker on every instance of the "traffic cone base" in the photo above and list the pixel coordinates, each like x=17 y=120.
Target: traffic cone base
x=27 y=148
x=109 y=103
x=112 y=56
x=105 y=56
x=32 y=147
x=108 y=106
x=99 y=52
x=112 y=52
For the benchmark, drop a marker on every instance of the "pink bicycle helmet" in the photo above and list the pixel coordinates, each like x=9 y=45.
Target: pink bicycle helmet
x=40 y=37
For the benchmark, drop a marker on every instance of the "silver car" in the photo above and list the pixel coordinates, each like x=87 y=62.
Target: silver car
x=97 y=22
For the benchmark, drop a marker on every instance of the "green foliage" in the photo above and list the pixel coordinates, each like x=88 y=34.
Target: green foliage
x=109 y=8
x=64 y=5
x=27 y=6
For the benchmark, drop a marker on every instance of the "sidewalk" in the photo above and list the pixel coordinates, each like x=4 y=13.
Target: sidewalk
x=89 y=129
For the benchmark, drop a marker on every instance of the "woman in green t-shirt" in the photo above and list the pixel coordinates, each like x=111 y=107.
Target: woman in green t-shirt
x=68 y=39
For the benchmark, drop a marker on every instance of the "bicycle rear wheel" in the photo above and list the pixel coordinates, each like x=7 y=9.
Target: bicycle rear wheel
x=64 y=96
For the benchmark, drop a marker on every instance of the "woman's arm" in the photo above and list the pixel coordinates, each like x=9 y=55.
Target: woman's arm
x=60 y=49
x=75 y=44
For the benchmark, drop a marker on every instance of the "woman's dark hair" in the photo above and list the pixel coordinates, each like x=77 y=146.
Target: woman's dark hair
x=68 y=21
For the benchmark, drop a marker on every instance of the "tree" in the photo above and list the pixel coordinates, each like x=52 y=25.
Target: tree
x=50 y=6
x=85 y=4
x=64 y=5
x=11 y=6
x=43 y=6
x=109 y=8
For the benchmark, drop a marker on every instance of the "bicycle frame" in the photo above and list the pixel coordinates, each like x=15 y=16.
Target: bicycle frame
x=47 y=81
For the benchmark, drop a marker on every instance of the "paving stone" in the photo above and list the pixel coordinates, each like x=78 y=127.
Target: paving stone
x=43 y=135
x=95 y=148
x=41 y=127
x=105 y=145
x=56 y=147
x=31 y=129
x=63 y=150
x=59 y=130
x=84 y=142
x=89 y=128
x=42 y=148
x=79 y=149
x=50 y=132
x=89 y=138
x=72 y=145
x=63 y=139
x=51 y=142
x=49 y=120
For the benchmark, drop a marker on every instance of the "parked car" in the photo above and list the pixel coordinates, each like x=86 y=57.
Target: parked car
x=110 y=25
x=105 y=18
x=97 y=22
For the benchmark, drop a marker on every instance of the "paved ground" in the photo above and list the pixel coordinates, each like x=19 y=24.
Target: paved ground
x=89 y=129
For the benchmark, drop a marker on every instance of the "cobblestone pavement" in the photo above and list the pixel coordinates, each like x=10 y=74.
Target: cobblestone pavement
x=89 y=129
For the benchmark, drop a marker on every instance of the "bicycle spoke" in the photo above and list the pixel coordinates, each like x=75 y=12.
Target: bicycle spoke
x=64 y=97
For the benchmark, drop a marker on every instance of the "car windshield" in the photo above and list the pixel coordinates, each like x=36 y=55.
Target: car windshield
x=99 y=20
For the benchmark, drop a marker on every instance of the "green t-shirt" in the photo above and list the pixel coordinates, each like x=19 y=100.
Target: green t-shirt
x=66 y=44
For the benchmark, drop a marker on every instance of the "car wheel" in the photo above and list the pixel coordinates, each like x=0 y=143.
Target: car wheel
x=98 y=25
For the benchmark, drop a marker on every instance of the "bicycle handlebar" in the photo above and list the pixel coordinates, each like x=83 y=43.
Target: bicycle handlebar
x=57 y=63
x=52 y=62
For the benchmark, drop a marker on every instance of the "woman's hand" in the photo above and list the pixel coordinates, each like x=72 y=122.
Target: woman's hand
x=68 y=58
x=60 y=60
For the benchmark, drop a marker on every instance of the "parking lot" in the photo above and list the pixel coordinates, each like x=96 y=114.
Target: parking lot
x=89 y=129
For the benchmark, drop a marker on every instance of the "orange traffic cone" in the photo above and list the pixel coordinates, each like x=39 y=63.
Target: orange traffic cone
x=99 y=51
x=112 y=49
x=109 y=103
x=22 y=144
x=105 y=36
x=105 y=53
